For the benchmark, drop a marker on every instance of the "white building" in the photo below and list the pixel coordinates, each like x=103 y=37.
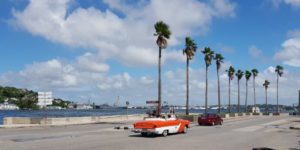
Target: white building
x=7 y=106
x=83 y=106
x=44 y=99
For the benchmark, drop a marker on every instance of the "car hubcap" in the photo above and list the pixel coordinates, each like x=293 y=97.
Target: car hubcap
x=185 y=130
x=165 y=133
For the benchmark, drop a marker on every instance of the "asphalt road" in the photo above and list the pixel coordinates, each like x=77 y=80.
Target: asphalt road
x=241 y=134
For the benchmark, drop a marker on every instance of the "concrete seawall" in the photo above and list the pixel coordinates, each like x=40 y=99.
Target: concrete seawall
x=28 y=121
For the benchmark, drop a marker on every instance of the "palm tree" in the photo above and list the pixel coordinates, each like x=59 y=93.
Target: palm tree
x=254 y=73
x=219 y=59
x=189 y=51
x=230 y=72
x=163 y=33
x=239 y=74
x=266 y=85
x=247 y=76
x=208 y=56
x=279 y=72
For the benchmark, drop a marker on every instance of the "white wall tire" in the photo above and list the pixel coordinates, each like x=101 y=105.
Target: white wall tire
x=185 y=130
x=165 y=133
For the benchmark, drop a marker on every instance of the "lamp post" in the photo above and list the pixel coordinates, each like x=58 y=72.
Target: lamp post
x=127 y=104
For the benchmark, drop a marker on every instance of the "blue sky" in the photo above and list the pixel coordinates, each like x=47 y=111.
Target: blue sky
x=100 y=49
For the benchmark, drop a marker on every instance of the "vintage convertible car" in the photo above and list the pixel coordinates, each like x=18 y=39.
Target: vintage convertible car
x=161 y=126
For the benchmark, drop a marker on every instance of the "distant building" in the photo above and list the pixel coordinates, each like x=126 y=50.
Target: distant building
x=7 y=106
x=44 y=99
x=54 y=107
x=71 y=106
x=83 y=106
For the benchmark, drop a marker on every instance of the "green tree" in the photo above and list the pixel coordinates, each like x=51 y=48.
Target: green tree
x=279 y=72
x=254 y=74
x=219 y=60
x=247 y=76
x=163 y=33
x=266 y=85
x=239 y=74
x=189 y=51
x=208 y=56
x=230 y=73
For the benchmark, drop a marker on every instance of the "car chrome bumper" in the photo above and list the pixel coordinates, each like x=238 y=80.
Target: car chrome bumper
x=144 y=131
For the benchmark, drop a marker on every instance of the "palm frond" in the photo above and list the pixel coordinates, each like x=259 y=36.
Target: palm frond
x=254 y=72
x=279 y=70
x=239 y=74
x=230 y=72
x=190 y=48
x=266 y=84
x=247 y=74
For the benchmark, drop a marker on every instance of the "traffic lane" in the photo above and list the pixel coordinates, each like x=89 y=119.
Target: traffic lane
x=107 y=138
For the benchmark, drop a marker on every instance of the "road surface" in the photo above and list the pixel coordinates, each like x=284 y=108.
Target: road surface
x=241 y=134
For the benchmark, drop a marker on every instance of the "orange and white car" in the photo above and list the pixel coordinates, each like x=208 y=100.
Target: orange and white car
x=161 y=126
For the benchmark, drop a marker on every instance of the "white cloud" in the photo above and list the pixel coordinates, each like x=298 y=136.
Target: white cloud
x=134 y=56
x=290 y=51
x=52 y=73
x=116 y=36
x=146 y=80
x=91 y=63
x=255 y=52
x=175 y=56
x=293 y=3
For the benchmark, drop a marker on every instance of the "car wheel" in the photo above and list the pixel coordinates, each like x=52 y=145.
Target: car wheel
x=165 y=133
x=213 y=123
x=144 y=134
x=221 y=122
x=185 y=129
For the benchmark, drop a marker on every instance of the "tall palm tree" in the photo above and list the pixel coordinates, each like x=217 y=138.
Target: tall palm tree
x=230 y=74
x=279 y=72
x=239 y=74
x=163 y=33
x=219 y=60
x=247 y=76
x=266 y=85
x=208 y=56
x=254 y=74
x=189 y=51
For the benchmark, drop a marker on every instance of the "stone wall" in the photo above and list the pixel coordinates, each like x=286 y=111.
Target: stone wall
x=70 y=120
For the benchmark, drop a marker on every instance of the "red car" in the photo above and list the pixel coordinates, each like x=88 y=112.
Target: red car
x=210 y=119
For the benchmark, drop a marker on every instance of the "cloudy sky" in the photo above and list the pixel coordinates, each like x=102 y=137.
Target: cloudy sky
x=99 y=49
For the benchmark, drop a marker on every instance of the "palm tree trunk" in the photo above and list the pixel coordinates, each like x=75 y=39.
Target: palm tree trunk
x=159 y=83
x=266 y=100
x=206 y=83
x=277 y=94
x=187 y=87
x=246 y=96
x=238 y=96
x=219 y=97
x=229 y=95
x=254 y=95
